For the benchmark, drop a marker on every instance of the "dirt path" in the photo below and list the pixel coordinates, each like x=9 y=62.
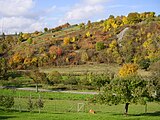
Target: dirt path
x=45 y=90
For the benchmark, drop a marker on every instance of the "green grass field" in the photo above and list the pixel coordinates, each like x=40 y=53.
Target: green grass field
x=103 y=113
x=63 y=106
x=45 y=95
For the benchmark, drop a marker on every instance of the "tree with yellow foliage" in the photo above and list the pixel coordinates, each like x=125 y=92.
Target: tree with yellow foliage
x=66 y=40
x=125 y=20
x=128 y=69
x=26 y=36
x=88 y=34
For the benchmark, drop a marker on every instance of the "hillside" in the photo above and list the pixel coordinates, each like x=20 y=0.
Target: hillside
x=117 y=40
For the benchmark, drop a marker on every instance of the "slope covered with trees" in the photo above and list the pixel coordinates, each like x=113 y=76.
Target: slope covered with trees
x=122 y=39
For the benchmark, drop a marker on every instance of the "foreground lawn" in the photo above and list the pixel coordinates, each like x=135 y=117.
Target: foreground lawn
x=59 y=110
x=75 y=116
x=63 y=106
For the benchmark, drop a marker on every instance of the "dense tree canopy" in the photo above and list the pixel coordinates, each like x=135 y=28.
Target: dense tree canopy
x=37 y=76
x=133 y=89
x=3 y=67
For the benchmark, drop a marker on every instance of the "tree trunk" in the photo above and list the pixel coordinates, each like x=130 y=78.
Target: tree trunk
x=146 y=108
x=126 y=108
x=36 y=87
x=39 y=110
x=99 y=88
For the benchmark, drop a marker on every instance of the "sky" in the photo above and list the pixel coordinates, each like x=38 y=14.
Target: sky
x=34 y=15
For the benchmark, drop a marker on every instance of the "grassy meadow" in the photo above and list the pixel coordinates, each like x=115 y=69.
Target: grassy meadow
x=63 y=106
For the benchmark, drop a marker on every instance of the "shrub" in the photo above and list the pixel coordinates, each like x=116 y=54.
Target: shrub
x=6 y=101
x=29 y=40
x=54 y=77
x=144 y=64
x=99 y=46
x=2 y=48
x=39 y=103
x=84 y=56
x=72 y=80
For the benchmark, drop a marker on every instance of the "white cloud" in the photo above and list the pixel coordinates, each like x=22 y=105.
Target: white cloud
x=21 y=24
x=95 y=1
x=15 y=7
x=19 y=16
x=84 y=10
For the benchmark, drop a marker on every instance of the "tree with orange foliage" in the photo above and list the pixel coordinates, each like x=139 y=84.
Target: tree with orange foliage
x=59 y=51
x=52 y=50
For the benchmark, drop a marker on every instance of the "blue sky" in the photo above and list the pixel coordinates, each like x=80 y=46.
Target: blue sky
x=31 y=15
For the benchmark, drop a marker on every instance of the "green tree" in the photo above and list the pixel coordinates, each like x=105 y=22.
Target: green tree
x=154 y=80
x=45 y=29
x=30 y=104
x=144 y=64
x=99 y=80
x=133 y=18
x=39 y=103
x=133 y=89
x=54 y=77
x=100 y=46
x=3 y=35
x=3 y=67
x=111 y=16
x=38 y=77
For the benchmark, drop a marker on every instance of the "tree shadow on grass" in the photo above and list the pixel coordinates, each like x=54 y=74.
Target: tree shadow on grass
x=157 y=113
x=6 y=117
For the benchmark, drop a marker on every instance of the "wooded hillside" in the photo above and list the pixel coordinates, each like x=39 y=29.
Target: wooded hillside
x=121 y=39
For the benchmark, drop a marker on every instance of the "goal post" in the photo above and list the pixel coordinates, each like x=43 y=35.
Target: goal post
x=80 y=107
